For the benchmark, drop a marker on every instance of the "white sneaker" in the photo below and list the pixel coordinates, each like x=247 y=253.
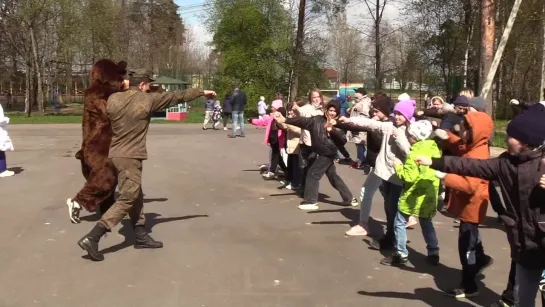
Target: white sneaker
x=268 y=176
x=288 y=186
x=73 y=211
x=7 y=173
x=356 y=231
x=225 y=129
x=309 y=207
x=353 y=202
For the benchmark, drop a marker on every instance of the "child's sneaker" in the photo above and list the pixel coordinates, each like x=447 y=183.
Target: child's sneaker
x=395 y=260
x=461 y=293
x=225 y=129
x=6 y=173
x=353 y=202
x=433 y=259
x=356 y=231
x=308 y=206
x=268 y=176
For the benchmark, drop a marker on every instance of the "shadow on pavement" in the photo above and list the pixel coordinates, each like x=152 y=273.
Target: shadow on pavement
x=153 y=200
x=16 y=169
x=445 y=278
x=429 y=296
x=151 y=221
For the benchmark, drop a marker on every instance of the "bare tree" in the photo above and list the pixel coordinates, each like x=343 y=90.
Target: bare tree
x=376 y=10
x=298 y=50
x=488 y=35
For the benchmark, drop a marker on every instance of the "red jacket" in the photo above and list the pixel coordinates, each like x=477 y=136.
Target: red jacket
x=469 y=196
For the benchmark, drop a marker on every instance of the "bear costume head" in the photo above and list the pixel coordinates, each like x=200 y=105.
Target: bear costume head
x=107 y=77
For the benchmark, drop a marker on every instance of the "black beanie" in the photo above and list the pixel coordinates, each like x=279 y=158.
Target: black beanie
x=529 y=127
x=384 y=104
x=336 y=104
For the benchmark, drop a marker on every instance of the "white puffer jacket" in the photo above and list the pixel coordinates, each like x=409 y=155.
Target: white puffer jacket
x=5 y=141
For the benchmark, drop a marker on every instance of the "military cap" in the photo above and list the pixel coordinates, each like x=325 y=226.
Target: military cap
x=141 y=73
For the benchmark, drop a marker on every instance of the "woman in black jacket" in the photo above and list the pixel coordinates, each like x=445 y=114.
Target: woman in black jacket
x=325 y=138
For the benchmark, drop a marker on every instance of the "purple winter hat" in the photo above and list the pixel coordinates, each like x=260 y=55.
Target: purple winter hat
x=406 y=108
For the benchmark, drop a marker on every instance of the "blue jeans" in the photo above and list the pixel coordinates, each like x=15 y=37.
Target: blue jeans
x=360 y=149
x=428 y=231
x=238 y=117
x=368 y=190
x=526 y=286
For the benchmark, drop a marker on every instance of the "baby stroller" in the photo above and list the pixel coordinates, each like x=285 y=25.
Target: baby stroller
x=216 y=116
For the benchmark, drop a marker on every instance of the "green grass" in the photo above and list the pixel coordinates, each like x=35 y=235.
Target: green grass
x=499 y=139
x=17 y=118
x=20 y=118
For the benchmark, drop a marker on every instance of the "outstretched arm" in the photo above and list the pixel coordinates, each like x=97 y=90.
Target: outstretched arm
x=487 y=169
x=164 y=100
x=370 y=124
x=352 y=127
x=301 y=122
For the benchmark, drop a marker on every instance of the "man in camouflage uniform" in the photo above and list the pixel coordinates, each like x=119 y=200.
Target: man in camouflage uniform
x=130 y=113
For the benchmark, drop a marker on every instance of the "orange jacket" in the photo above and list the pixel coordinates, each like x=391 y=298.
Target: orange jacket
x=469 y=196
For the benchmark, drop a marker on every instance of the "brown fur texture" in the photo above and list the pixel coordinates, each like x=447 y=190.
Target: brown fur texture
x=106 y=78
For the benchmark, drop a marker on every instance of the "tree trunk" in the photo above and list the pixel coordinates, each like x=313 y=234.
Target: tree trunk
x=466 y=54
x=28 y=87
x=37 y=70
x=488 y=33
x=542 y=88
x=378 y=72
x=294 y=88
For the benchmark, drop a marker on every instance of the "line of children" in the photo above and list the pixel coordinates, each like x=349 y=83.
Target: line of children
x=412 y=191
x=519 y=172
x=394 y=145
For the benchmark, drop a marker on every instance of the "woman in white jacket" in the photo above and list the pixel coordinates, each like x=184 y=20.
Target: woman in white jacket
x=5 y=144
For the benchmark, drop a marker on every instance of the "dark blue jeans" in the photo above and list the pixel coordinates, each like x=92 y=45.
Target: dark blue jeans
x=3 y=164
x=360 y=148
x=392 y=192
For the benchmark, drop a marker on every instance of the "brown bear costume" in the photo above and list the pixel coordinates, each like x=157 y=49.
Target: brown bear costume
x=106 y=78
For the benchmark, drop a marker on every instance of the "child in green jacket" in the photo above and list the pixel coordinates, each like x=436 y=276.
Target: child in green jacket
x=419 y=195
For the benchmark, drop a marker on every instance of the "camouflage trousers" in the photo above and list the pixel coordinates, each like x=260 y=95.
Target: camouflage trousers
x=131 y=199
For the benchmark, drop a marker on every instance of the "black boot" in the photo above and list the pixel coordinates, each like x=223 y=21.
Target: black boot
x=143 y=239
x=89 y=242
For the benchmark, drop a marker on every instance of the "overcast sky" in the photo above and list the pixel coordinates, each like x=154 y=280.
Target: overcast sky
x=356 y=17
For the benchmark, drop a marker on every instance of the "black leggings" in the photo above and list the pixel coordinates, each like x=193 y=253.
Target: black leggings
x=226 y=116
x=276 y=159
